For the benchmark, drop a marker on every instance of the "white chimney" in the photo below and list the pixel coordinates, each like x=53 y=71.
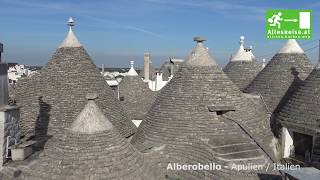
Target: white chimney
x=146 y=66
x=102 y=69
x=263 y=63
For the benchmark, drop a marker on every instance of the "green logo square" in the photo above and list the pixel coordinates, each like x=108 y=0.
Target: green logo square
x=288 y=24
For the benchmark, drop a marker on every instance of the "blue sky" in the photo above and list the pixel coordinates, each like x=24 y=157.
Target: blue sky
x=117 y=31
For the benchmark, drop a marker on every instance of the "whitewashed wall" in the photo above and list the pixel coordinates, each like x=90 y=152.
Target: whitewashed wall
x=9 y=126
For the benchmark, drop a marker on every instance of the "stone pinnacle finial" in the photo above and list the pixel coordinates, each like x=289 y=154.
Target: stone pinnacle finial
x=199 y=39
x=241 y=40
x=132 y=72
x=71 y=39
x=70 y=22
x=243 y=54
x=200 y=55
x=91 y=96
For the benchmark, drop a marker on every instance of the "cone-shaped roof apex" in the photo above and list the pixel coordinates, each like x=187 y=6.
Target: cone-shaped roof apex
x=71 y=39
x=132 y=71
x=242 y=54
x=200 y=56
x=291 y=46
x=91 y=119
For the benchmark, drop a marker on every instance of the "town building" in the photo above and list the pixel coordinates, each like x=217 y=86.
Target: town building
x=18 y=71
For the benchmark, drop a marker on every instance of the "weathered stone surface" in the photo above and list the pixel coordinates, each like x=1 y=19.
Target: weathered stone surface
x=165 y=69
x=88 y=155
x=180 y=116
x=11 y=89
x=302 y=108
x=51 y=99
x=242 y=72
x=9 y=126
x=301 y=112
x=4 y=94
x=279 y=78
x=170 y=68
x=135 y=97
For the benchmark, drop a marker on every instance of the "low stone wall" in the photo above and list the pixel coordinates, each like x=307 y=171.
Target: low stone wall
x=9 y=126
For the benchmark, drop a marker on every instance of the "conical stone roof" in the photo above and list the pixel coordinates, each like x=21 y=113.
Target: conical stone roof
x=194 y=105
x=242 y=67
x=302 y=108
x=165 y=69
x=91 y=149
x=52 y=98
x=135 y=95
x=169 y=68
x=281 y=76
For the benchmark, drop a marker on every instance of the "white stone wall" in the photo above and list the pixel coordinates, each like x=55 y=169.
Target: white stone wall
x=286 y=142
x=9 y=126
x=158 y=83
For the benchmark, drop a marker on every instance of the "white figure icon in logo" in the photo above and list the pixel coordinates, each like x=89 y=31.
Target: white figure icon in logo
x=275 y=20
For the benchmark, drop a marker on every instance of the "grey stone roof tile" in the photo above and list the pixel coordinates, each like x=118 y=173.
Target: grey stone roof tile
x=283 y=71
x=135 y=96
x=181 y=110
x=242 y=72
x=302 y=108
x=103 y=154
x=52 y=98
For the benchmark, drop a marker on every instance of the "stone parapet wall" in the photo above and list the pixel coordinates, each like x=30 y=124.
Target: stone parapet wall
x=3 y=84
